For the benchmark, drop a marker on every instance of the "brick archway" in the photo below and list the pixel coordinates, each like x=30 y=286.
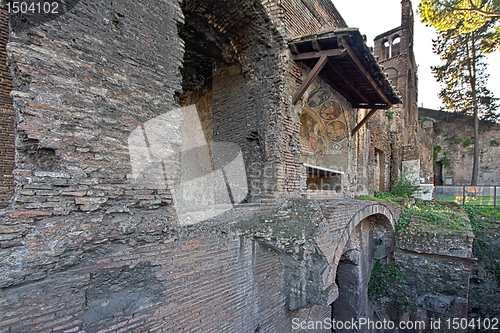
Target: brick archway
x=385 y=216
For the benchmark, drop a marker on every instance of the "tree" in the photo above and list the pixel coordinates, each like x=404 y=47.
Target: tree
x=463 y=15
x=464 y=78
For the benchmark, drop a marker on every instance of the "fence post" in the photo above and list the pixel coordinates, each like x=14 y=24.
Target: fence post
x=495 y=198
x=463 y=196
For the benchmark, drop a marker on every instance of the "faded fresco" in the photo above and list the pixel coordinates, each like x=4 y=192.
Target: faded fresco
x=324 y=131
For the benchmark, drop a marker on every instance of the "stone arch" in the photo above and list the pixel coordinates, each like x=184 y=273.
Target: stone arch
x=381 y=211
x=369 y=240
x=375 y=209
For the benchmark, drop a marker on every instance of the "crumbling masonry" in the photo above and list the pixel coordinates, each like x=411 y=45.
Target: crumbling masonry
x=115 y=101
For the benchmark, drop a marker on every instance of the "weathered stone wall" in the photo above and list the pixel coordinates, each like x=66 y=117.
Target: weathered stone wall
x=485 y=278
x=6 y=117
x=207 y=282
x=454 y=134
x=433 y=265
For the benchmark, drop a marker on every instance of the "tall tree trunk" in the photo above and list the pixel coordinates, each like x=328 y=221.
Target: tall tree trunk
x=471 y=66
x=475 y=165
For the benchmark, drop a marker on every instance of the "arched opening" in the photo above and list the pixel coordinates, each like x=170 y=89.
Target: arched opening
x=369 y=241
x=218 y=77
x=396 y=46
x=386 y=45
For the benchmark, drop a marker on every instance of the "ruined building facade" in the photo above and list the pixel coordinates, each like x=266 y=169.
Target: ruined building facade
x=395 y=141
x=192 y=166
x=448 y=141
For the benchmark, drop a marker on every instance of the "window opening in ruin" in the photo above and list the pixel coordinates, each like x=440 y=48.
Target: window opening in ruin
x=387 y=49
x=323 y=179
x=6 y=117
x=396 y=46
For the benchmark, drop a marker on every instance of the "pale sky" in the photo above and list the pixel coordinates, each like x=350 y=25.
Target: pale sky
x=376 y=17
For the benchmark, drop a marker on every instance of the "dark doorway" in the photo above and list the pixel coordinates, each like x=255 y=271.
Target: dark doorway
x=438 y=173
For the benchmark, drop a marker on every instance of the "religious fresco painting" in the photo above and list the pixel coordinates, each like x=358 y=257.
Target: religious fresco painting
x=324 y=129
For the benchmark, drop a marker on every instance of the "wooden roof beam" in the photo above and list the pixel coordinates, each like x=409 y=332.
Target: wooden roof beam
x=319 y=54
x=364 y=71
x=336 y=68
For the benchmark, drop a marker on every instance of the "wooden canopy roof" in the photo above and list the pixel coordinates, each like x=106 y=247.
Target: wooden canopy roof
x=343 y=60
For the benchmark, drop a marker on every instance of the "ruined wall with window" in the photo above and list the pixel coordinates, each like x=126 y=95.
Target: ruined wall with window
x=394 y=135
x=450 y=145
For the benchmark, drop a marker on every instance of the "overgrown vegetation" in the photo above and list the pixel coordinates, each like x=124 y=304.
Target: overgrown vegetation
x=394 y=272
x=481 y=219
x=377 y=287
x=434 y=213
x=468 y=142
x=437 y=150
x=446 y=160
x=477 y=213
x=494 y=143
x=381 y=277
x=401 y=189
x=485 y=292
x=422 y=119
x=368 y=197
x=437 y=130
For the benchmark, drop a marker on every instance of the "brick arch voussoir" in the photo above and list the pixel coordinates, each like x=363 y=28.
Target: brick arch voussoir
x=365 y=212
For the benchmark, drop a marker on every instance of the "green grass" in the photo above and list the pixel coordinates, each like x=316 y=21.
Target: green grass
x=469 y=201
x=368 y=197
x=434 y=213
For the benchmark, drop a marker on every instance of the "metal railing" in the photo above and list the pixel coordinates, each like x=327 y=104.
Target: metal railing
x=469 y=195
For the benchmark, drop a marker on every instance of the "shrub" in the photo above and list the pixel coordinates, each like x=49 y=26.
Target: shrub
x=446 y=160
x=394 y=272
x=403 y=188
x=468 y=142
x=494 y=143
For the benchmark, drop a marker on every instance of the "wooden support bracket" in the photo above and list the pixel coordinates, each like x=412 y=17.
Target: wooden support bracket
x=309 y=79
x=363 y=121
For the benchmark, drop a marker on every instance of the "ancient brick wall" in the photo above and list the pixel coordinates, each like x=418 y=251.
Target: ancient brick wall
x=453 y=136
x=6 y=117
x=198 y=283
x=83 y=245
